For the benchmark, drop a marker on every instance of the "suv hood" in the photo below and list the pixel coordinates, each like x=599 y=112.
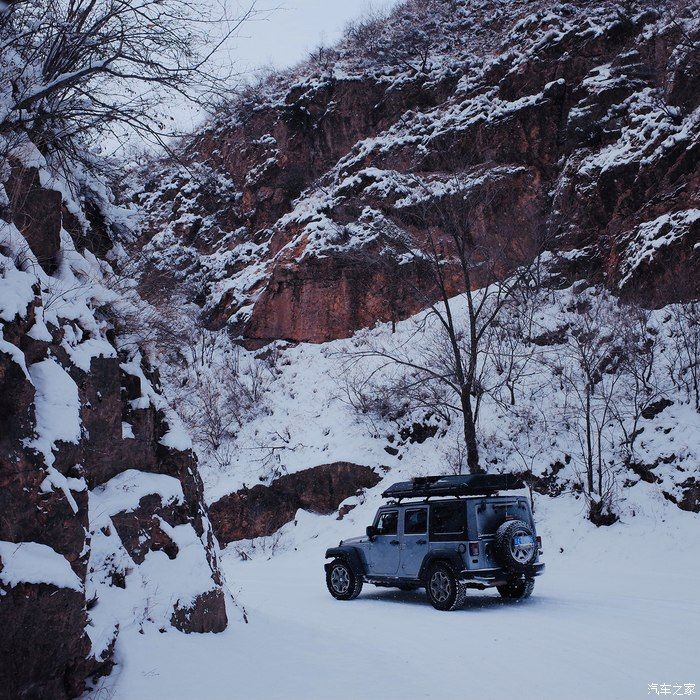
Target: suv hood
x=354 y=540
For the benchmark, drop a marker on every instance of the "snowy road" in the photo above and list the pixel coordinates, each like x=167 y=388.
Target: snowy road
x=616 y=611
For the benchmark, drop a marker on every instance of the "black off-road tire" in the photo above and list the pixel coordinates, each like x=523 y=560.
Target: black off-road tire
x=509 y=559
x=518 y=589
x=342 y=582
x=445 y=591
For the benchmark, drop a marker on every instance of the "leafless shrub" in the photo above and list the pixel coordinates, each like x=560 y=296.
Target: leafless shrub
x=684 y=361
x=223 y=456
x=589 y=368
x=455 y=458
x=216 y=399
x=268 y=450
x=641 y=388
x=210 y=411
x=369 y=398
x=409 y=44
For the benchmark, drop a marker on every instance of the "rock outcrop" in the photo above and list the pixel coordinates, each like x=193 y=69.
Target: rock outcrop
x=262 y=510
x=96 y=478
x=570 y=127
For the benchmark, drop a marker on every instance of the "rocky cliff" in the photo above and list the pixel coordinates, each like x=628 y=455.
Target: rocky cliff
x=100 y=495
x=570 y=126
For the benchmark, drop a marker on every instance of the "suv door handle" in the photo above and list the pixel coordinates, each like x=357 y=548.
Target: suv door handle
x=421 y=541
x=394 y=542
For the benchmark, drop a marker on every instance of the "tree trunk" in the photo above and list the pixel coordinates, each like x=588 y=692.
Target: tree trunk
x=600 y=466
x=470 y=434
x=589 y=441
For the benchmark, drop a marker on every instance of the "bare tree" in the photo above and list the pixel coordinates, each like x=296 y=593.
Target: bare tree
x=589 y=367
x=77 y=68
x=442 y=242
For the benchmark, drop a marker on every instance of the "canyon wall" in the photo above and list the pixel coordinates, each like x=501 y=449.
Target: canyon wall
x=571 y=128
x=100 y=495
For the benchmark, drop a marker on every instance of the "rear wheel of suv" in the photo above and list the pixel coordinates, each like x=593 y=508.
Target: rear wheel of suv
x=515 y=546
x=342 y=582
x=517 y=590
x=444 y=591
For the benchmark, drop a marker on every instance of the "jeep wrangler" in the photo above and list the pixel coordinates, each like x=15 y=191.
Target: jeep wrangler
x=454 y=533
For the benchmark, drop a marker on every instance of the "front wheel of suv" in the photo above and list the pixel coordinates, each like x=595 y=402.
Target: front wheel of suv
x=517 y=590
x=444 y=591
x=342 y=582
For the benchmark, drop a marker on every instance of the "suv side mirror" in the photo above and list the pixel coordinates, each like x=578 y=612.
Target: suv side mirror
x=371 y=532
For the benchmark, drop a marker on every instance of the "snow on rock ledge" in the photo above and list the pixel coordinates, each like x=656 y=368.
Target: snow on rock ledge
x=56 y=407
x=30 y=562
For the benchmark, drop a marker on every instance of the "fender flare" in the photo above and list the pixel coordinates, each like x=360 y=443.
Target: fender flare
x=350 y=555
x=451 y=557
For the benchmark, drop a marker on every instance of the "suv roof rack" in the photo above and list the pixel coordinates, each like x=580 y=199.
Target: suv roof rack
x=460 y=485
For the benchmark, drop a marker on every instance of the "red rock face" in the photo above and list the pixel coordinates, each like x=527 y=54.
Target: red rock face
x=140 y=530
x=572 y=139
x=36 y=212
x=206 y=614
x=42 y=643
x=321 y=299
x=691 y=495
x=262 y=510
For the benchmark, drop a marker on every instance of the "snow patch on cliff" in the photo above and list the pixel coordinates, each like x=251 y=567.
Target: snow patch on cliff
x=56 y=407
x=31 y=562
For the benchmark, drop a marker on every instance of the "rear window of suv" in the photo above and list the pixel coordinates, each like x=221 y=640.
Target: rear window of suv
x=448 y=521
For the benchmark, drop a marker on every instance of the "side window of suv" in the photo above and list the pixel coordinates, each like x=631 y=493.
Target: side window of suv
x=388 y=523
x=448 y=521
x=415 y=522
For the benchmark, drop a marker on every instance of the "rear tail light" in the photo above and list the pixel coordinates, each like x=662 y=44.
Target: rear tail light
x=473 y=549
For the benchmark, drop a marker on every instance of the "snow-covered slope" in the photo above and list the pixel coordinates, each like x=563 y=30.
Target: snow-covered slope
x=615 y=611
x=343 y=402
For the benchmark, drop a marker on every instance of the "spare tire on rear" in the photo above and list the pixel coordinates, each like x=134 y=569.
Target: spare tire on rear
x=515 y=546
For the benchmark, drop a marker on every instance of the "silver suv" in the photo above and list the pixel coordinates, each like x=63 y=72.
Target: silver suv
x=454 y=533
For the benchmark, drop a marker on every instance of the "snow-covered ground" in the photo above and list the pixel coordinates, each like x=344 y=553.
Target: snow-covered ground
x=616 y=610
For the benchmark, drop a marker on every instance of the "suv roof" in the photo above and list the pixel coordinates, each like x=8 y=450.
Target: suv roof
x=459 y=485
x=400 y=503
